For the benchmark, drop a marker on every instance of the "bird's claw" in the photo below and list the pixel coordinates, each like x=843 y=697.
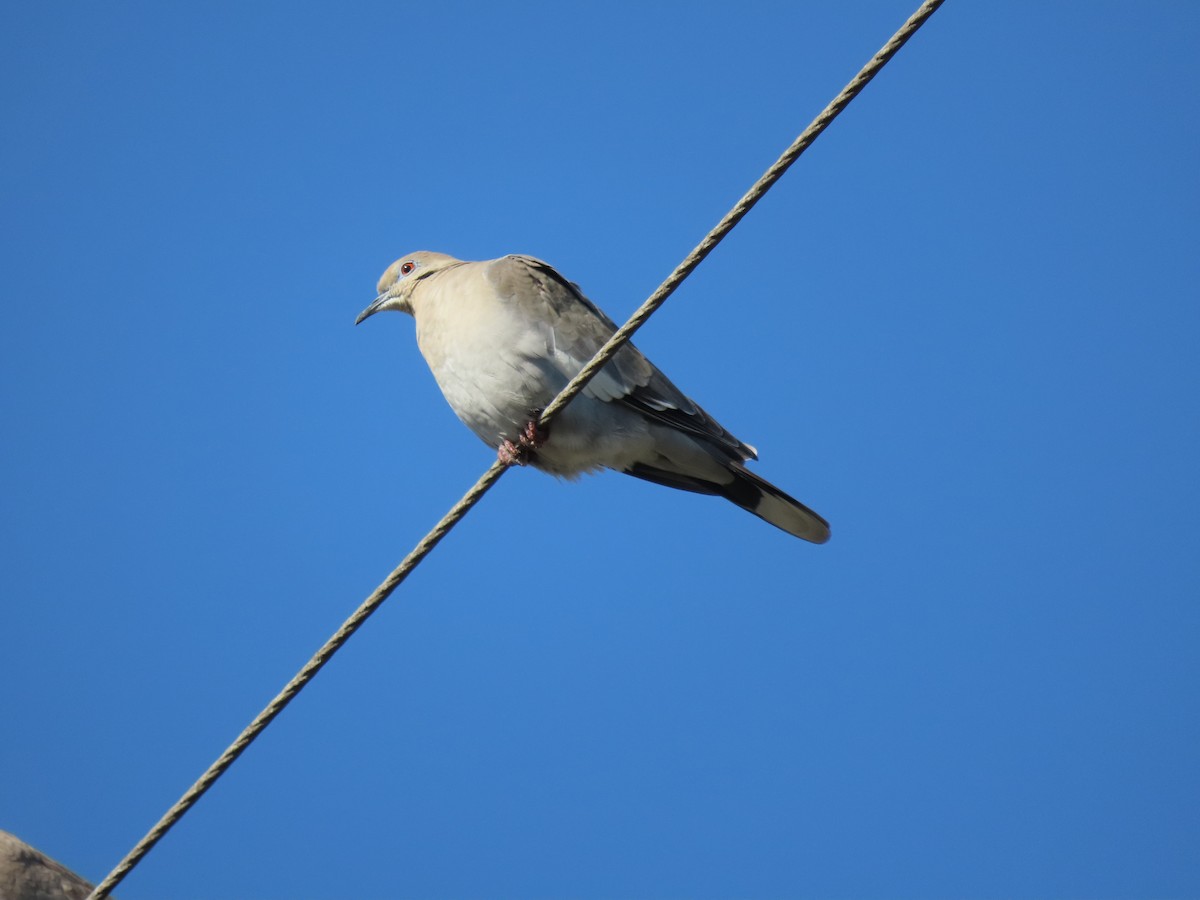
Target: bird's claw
x=517 y=453
x=511 y=454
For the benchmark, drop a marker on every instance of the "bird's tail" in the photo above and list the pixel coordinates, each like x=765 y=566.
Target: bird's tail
x=733 y=481
x=770 y=504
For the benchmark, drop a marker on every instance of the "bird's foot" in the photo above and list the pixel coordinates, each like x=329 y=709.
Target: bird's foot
x=511 y=454
x=517 y=453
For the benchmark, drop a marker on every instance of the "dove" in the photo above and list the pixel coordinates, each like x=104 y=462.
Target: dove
x=504 y=336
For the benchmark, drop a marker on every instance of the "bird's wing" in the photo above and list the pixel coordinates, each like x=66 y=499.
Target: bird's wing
x=578 y=328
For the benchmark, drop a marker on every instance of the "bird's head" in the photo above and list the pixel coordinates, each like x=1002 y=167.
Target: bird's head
x=397 y=284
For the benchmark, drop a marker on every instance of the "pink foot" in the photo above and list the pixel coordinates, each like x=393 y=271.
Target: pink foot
x=517 y=454
x=511 y=454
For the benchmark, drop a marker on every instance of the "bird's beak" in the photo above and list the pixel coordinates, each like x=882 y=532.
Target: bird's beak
x=376 y=306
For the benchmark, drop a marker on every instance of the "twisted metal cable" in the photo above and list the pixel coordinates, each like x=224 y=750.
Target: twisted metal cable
x=743 y=206
x=492 y=475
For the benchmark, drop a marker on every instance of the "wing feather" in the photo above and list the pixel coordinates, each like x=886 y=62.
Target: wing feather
x=578 y=328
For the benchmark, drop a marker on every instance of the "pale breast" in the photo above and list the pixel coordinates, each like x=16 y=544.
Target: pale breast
x=488 y=363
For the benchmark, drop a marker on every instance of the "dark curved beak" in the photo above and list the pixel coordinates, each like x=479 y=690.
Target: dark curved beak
x=375 y=306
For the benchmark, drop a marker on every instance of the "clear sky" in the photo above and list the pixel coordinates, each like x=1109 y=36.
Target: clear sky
x=965 y=328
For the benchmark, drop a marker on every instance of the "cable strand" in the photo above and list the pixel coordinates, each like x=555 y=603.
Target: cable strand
x=743 y=206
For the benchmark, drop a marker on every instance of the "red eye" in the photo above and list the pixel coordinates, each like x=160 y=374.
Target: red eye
x=405 y=268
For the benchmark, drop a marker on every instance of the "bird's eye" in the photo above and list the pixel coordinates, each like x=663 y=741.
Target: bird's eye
x=405 y=268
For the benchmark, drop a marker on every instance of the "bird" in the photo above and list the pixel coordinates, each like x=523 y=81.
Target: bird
x=504 y=336
x=28 y=874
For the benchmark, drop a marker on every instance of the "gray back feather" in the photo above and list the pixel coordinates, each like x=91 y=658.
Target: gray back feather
x=579 y=328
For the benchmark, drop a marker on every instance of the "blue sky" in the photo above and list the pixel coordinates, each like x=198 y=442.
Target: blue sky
x=964 y=328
